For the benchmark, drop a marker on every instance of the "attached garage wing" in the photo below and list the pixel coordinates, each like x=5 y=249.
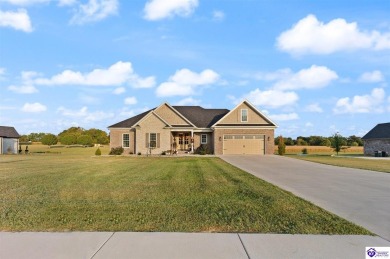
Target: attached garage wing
x=243 y=144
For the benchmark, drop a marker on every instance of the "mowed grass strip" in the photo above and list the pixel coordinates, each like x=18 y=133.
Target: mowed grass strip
x=380 y=165
x=187 y=194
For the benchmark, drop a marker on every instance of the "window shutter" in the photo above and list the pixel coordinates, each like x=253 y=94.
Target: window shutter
x=158 y=140
x=147 y=140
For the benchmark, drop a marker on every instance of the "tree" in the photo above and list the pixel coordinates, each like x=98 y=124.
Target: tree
x=68 y=139
x=353 y=140
x=49 y=139
x=301 y=142
x=85 y=140
x=98 y=136
x=281 y=146
x=337 y=142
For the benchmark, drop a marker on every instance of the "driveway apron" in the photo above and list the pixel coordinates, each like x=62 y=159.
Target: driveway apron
x=360 y=196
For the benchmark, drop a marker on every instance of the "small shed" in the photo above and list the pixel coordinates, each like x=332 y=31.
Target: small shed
x=377 y=139
x=9 y=140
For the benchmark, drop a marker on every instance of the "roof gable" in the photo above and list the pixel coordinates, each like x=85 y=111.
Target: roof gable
x=172 y=116
x=128 y=123
x=255 y=117
x=380 y=131
x=200 y=117
x=8 y=132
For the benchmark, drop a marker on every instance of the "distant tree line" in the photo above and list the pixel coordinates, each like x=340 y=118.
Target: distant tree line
x=321 y=141
x=71 y=136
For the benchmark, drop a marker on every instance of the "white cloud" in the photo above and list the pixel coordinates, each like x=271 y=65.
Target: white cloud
x=66 y=2
x=25 y=2
x=131 y=100
x=23 y=89
x=271 y=98
x=375 y=76
x=94 y=10
x=119 y=90
x=310 y=36
x=184 y=82
x=18 y=20
x=309 y=124
x=27 y=85
x=34 y=107
x=188 y=101
x=161 y=9
x=284 y=117
x=116 y=75
x=147 y=82
x=218 y=15
x=85 y=115
x=315 y=107
x=361 y=103
x=310 y=78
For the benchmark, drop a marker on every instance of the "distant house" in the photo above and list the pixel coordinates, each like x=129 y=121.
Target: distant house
x=377 y=139
x=186 y=129
x=9 y=140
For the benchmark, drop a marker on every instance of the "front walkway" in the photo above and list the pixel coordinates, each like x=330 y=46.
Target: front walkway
x=182 y=245
x=360 y=196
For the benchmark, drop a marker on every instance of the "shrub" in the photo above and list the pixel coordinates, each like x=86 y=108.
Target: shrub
x=116 y=151
x=202 y=150
x=139 y=153
x=281 y=146
x=304 y=151
x=131 y=153
x=163 y=153
x=98 y=152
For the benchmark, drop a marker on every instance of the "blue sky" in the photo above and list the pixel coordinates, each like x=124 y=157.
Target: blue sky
x=314 y=67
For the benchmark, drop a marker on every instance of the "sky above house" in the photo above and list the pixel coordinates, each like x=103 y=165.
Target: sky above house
x=313 y=67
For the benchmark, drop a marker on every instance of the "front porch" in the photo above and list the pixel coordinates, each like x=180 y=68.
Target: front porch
x=182 y=142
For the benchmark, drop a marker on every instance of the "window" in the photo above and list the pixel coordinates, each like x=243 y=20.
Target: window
x=203 y=139
x=244 y=115
x=126 y=140
x=153 y=140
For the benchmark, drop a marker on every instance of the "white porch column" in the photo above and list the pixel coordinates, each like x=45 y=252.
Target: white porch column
x=192 y=144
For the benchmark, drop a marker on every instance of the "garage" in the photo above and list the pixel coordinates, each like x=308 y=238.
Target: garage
x=243 y=144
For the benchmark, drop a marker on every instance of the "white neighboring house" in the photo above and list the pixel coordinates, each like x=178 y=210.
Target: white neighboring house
x=9 y=140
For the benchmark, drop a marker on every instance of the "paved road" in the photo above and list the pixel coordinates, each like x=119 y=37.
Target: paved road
x=182 y=245
x=360 y=196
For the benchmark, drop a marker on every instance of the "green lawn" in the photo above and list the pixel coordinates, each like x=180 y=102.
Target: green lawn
x=71 y=191
x=381 y=165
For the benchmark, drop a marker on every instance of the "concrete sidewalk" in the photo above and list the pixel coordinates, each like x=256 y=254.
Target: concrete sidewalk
x=182 y=245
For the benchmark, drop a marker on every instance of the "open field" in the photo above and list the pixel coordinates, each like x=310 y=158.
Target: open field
x=76 y=191
x=381 y=164
x=320 y=150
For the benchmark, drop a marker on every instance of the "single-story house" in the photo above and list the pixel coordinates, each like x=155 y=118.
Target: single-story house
x=186 y=129
x=9 y=140
x=377 y=139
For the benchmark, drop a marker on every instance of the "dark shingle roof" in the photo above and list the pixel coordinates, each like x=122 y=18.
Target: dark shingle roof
x=8 y=132
x=201 y=117
x=131 y=121
x=380 y=131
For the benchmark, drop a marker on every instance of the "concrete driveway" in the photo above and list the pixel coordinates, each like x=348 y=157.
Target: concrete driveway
x=360 y=196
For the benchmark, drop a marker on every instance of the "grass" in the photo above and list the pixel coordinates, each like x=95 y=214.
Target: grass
x=320 y=150
x=380 y=165
x=74 y=191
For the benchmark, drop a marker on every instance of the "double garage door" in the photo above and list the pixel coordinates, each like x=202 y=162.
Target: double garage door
x=243 y=144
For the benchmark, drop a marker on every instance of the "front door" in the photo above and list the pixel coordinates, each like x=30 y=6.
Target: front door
x=184 y=140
